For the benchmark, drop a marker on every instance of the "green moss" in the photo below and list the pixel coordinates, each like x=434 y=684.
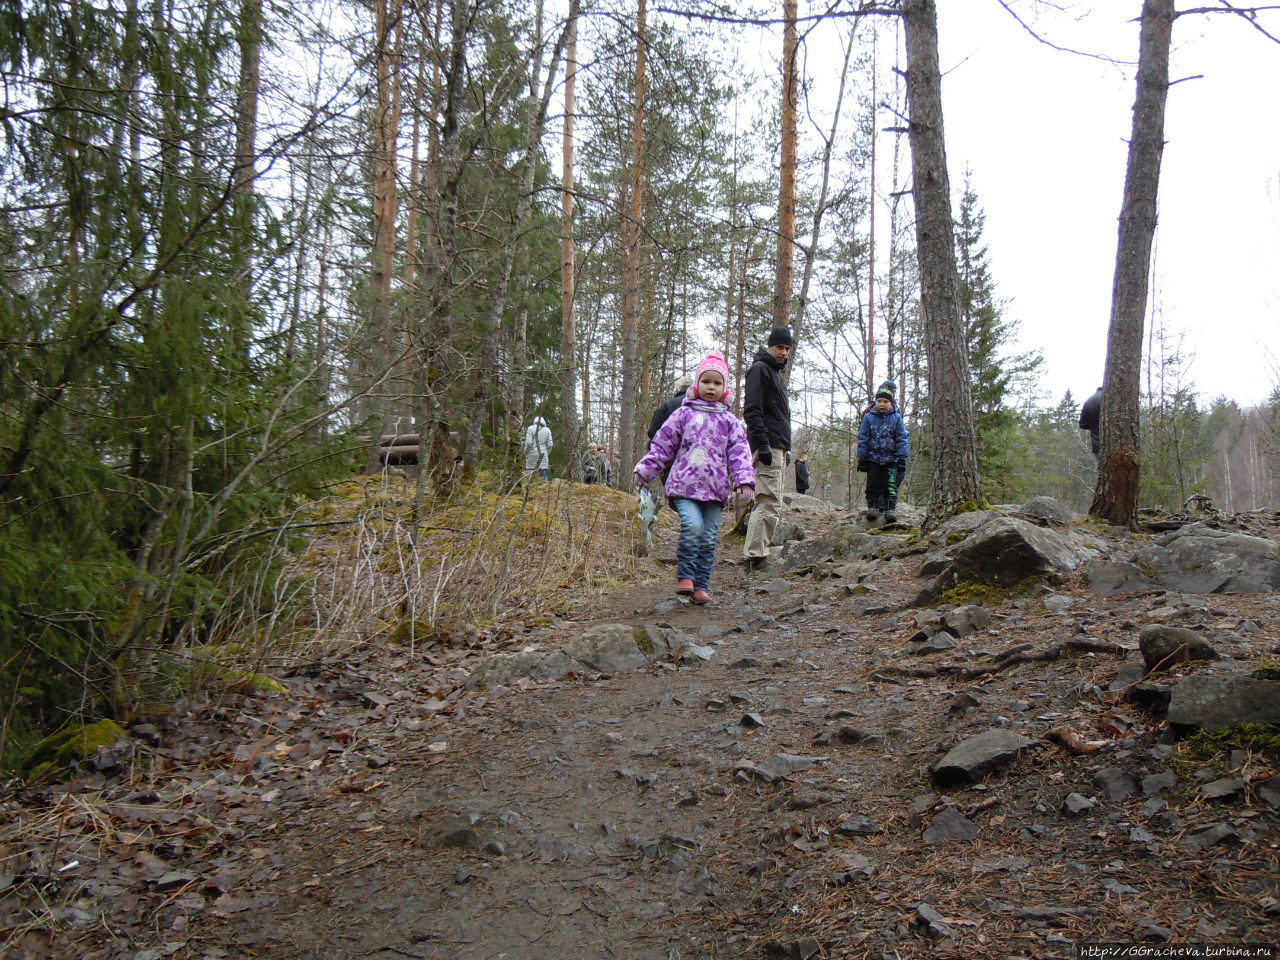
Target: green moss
x=643 y=643
x=73 y=743
x=973 y=592
x=411 y=631
x=248 y=680
x=1207 y=745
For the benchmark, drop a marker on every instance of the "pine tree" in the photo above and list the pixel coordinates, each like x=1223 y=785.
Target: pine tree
x=1003 y=452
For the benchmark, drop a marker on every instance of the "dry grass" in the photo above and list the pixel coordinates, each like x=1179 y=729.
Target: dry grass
x=468 y=563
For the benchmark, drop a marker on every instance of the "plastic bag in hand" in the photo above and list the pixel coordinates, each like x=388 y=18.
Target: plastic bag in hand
x=647 y=506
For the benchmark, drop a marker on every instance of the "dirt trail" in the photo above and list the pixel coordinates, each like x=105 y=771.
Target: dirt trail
x=627 y=816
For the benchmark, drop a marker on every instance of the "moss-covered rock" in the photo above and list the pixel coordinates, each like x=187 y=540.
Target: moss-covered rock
x=73 y=743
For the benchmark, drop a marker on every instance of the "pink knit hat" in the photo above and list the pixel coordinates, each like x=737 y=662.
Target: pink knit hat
x=713 y=361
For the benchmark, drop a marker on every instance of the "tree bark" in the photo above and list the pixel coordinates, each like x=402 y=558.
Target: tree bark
x=1116 y=496
x=955 y=459
x=820 y=210
x=568 y=323
x=431 y=349
x=385 y=122
x=787 y=171
x=631 y=234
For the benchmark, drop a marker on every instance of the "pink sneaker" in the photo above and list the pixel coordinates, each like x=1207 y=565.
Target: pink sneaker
x=684 y=586
x=701 y=596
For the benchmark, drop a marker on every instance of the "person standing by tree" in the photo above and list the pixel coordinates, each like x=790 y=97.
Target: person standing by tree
x=1091 y=419
x=669 y=406
x=666 y=409
x=802 y=473
x=882 y=451
x=537 y=447
x=768 y=416
x=593 y=466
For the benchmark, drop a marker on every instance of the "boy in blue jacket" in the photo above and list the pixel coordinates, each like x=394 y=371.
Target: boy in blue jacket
x=882 y=453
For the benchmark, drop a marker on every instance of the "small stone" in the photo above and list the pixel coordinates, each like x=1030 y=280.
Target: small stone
x=1116 y=782
x=1207 y=837
x=1156 y=782
x=950 y=825
x=934 y=923
x=1118 y=888
x=1218 y=789
x=1076 y=804
x=858 y=827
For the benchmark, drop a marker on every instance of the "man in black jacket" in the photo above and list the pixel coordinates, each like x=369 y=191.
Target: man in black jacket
x=1091 y=419
x=802 y=473
x=768 y=416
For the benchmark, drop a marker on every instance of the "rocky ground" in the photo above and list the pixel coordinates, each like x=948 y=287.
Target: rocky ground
x=775 y=789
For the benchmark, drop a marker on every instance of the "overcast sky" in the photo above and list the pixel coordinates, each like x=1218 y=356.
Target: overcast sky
x=1044 y=135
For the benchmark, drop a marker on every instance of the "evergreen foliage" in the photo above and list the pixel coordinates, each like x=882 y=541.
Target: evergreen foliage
x=1004 y=455
x=147 y=440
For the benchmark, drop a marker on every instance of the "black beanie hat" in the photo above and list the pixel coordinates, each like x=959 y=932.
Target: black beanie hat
x=780 y=336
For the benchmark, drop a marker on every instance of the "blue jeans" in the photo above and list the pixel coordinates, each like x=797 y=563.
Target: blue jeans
x=699 y=525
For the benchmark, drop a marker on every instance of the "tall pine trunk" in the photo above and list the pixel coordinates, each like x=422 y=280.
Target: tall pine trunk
x=1116 y=496
x=782 y=280
x=568 y=323
x=631 y=233
x=955 y=459
x=380 y=358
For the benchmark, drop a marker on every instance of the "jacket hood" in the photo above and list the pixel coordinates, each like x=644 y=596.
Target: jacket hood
x=764 y=354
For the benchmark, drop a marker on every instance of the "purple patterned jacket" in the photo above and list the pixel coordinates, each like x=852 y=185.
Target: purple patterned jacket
x=705 y=444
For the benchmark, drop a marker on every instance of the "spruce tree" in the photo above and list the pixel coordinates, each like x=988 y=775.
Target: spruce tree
x=1003 y=451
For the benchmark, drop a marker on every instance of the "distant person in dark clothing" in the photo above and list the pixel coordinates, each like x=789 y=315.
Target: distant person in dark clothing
x=768 y=414
x=802 y=473
x=666 y=409
x=1091 y=418
x=883 y=446
x=669 y=406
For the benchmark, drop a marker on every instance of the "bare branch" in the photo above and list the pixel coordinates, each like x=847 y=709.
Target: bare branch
x=1053 y=46
x=888 y=9
x=1248 y=13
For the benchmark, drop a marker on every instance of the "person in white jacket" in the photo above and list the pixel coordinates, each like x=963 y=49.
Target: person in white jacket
x=537 y=447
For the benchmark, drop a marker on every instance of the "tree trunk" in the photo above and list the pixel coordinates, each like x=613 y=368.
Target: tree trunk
x=245 y=171
x=1116 y=496
x=871 y=230
x=380 y=338
x=812 y=253
x=569 y=333
x=431 y=350
x=631 y=267
x=787 y=171
x=955 y=459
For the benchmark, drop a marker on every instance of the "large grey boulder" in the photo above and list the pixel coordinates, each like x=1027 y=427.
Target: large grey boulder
x=1214 y=701
x=607 y=648
x=1004 y=551
x=1200 y=559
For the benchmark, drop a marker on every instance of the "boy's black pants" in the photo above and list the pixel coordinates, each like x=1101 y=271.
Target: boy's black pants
x=878 y=484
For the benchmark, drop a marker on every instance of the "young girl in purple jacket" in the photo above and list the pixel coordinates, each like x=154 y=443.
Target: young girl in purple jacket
x=706 y=449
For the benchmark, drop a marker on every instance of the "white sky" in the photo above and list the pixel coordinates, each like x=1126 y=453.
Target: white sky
x=1044 y=134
